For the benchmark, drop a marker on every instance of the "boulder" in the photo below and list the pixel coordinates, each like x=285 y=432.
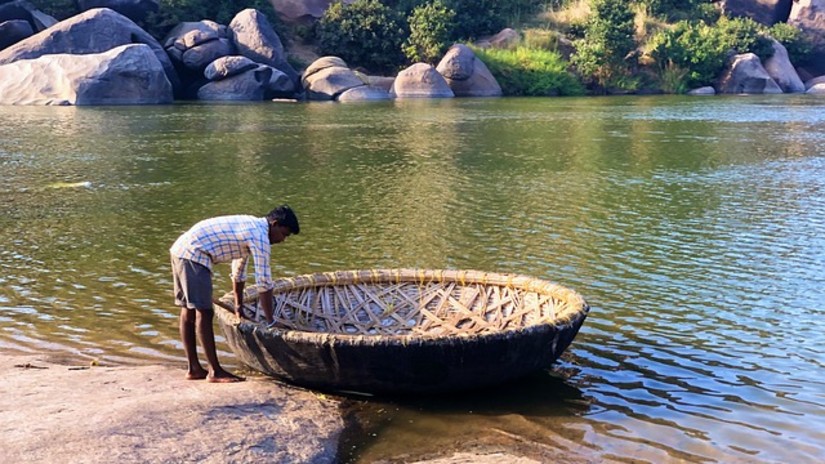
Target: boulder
x=125 y=75
x=767 y=12
x=364 y=93
x=175 y=37
x=248 y=86
x=22 y=9
x=809 y=16
x=228 y=66
x=420 y=80
x=466 y=75
x=136 y=10
x=380 y=82
x=506 y=38
x=322 y=63
x=329 y=82
x=816 y=80
x=13 y=31
x=302 y=11
x=817 y=89
x=702 y=91
x=198 y=57
x=94 y=31
x=779 y=67
x=745 y=74
x=255 y=39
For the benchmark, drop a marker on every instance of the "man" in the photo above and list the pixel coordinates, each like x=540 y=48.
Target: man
x=218 y=240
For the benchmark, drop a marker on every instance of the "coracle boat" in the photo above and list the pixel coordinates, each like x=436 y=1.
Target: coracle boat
x=405 y=330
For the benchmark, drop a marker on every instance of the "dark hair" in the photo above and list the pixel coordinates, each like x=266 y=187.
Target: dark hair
x=285 y=217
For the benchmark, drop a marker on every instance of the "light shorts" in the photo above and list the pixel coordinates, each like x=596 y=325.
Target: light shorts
x=192 y=284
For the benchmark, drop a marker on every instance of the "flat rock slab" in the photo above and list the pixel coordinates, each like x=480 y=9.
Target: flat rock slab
x=54 y=413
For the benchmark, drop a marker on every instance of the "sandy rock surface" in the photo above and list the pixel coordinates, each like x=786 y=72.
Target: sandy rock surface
x=59 y=413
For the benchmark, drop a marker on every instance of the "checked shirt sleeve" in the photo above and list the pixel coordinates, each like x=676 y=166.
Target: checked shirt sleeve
x=263 y=273
x=239 y=269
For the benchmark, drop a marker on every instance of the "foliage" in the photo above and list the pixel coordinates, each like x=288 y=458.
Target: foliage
x=431 y=28
x=703 y=49
x=364 y=33
x=173 y=12
x=798 y=44
x=608 y=39
x=530 y=72
x=674 y=9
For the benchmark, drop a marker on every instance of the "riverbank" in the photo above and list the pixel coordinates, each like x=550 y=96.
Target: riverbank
x=51 y=410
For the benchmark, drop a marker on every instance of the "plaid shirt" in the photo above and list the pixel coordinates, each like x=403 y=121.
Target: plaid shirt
x=229 y=238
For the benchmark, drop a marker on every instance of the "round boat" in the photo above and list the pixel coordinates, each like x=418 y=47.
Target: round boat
x=405 y=330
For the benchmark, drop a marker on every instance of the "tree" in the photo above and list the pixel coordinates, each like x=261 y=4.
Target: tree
x=608 y=40
x=431 y=27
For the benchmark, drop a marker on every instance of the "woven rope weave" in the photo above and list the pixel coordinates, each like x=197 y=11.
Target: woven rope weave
x=415 y=302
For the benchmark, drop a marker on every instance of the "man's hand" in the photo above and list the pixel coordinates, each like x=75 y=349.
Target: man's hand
x=265 y=301
x=237 y=291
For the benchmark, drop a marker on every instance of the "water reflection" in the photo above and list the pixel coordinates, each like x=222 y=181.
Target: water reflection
x=693 y=228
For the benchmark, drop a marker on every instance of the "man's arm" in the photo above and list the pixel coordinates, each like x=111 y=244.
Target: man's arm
x=237 y=289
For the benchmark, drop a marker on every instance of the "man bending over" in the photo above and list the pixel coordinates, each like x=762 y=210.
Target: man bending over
x=219 y=240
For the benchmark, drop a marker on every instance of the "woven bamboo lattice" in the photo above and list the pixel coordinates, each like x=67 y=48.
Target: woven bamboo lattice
x=420 y=303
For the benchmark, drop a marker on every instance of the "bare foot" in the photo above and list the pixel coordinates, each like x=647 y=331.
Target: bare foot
x=196 y=374
x=224 y=377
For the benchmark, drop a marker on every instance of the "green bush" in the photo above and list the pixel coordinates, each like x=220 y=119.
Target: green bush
x=59 y=9
x=365 y=33
x=798 y=44
x=530 y=72
x=703 y=49
x=431 y=27
x=608 y=39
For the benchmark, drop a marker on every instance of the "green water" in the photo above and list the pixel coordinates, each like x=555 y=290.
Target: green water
x=693 y=227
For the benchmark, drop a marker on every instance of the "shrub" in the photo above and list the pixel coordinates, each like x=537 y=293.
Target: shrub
x=365 y=33
x=431 y=27
x=530 y=72
x=608 y=39
x=798 y=44
x=703 y=49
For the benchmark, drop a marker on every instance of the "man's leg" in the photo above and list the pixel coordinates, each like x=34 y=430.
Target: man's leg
x=207 y=336
x=187 y=336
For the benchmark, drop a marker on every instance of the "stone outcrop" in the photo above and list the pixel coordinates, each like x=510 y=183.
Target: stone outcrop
x=136 y=10
x=125 y=75
x=466 y=75
x=816 y=80
x=768 y=12
x=94 y=31
x=255 y=39
x=745 y=74
x=420 y=80
x=780 y=68
x=816 y=89
x=228 y=66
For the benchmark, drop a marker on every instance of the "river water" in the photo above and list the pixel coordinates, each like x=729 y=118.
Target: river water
x=693 y=227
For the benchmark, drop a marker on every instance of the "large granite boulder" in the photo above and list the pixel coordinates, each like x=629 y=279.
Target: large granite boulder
x=781 y=69
x=809 y=16
x=420 y=80
x=250 y=85
x=255 y=39
x=125 y=75
x=817 y=89
x=745 y=74
x=768 y=12
x=279 y=85
x=191 y=43
x=816 y=80
x=702 y=91
x=136 y=10
x=466 y=75
x=94 y=31
x=325 y=81
x=13 y=31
